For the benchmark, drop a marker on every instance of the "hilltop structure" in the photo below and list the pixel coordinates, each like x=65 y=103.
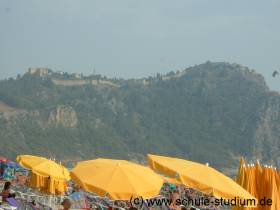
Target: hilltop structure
x=40 y=71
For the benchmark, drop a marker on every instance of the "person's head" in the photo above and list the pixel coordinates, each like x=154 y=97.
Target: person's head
x=7 y=185
x=66 y=203
x=176 y=191
x=183 y=208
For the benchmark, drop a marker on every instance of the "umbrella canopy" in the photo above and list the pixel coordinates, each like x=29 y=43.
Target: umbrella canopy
x=241 y=175
x=43 y=167
x=277 y=175
x=271 y=189
x=117 y=179
x=262 y=182
x=47 y=175
x=251 y=185
x=258 y=171
x=275 y=192
x=198 y=176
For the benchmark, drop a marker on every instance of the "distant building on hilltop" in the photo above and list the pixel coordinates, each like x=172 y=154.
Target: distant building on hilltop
x=78 y=75
x=39 y=71
x=60 y=72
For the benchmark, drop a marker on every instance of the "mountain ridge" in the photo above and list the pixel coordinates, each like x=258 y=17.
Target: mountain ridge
x=212 y=112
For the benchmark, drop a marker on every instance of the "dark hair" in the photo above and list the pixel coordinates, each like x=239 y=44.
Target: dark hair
x=65 y=200
x=7 y=185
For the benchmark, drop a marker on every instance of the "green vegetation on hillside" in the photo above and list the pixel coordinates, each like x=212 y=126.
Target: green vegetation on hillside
x=208 y=113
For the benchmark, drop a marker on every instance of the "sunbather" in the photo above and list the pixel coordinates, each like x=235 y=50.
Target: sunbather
x=6 y=192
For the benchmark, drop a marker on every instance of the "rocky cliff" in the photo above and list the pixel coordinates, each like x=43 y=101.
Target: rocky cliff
x=267 y=138
x=63 y=115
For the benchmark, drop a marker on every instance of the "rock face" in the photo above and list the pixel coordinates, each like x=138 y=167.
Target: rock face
x=267 y=141
x=63 y=115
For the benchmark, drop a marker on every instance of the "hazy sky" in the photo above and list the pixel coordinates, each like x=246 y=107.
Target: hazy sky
x=129 y=38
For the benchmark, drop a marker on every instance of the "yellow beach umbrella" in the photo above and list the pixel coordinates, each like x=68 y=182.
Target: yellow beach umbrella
x=264 y=186
x=47 y=175
x=251 y=181
x=277 y=177
x=43 y=166
x=241 y=175
x=276 y=190
x=29 y=161
x=117 y=179
x=258 y=171
x=199 y=176
x=272 y=191
x=258 y=167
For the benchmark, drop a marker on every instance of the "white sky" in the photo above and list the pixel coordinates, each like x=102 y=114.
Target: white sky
x=129 y=38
